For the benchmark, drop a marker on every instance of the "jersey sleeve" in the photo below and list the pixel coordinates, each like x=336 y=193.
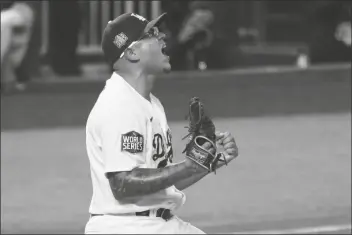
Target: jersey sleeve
x=123 y=138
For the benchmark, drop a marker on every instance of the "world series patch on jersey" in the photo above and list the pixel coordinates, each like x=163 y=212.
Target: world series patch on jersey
x=132 y=142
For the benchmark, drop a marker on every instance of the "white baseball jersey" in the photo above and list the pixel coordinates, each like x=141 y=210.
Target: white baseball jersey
x=125 y=131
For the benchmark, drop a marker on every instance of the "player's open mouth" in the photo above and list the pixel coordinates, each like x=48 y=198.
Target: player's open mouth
x=163 y=50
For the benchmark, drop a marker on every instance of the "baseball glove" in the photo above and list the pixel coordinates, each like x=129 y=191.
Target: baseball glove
x=201 y=129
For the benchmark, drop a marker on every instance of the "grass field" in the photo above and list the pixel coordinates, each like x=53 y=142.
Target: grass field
x=292 y=172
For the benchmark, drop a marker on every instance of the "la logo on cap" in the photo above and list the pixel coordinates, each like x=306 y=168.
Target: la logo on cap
x=120 y=40
x=138 y=17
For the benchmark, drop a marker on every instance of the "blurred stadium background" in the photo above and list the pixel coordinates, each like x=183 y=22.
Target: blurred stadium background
x=277 y=74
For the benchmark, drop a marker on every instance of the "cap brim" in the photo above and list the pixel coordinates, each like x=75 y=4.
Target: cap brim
x=156 y=22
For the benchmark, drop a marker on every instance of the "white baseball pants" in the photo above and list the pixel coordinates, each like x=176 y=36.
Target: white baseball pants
x=111 y=224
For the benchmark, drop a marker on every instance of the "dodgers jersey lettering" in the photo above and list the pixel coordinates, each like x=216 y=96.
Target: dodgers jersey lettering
x=162 y=149
x=125 y=131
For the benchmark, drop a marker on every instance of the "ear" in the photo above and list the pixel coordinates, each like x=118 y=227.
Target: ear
x=132 y=55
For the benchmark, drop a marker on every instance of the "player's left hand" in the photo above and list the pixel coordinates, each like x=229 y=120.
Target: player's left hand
x=227 y=142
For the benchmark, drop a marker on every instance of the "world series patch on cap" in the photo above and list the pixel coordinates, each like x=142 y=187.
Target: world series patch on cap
x=132 y=142
x=123 y=31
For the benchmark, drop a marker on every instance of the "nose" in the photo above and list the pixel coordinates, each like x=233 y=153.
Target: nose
x=161 y=36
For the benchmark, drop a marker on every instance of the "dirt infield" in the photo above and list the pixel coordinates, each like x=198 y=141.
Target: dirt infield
x=226 y=94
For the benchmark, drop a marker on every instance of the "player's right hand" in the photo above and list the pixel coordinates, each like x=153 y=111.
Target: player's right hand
x=226 y=144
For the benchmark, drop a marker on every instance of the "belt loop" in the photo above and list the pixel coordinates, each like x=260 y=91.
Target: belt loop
x=162 y=213
x=153 y=213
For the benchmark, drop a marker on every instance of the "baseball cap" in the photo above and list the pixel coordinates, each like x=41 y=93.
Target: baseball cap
x=122 y=32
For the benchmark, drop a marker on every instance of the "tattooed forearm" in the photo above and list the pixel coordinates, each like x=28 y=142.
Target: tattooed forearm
x=185 y=183
x=143 y=181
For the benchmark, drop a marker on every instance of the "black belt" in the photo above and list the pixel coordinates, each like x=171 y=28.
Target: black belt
x=163 y=213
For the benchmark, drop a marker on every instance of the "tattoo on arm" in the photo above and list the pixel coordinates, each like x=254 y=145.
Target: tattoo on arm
x=183 y=184
x=144 y=181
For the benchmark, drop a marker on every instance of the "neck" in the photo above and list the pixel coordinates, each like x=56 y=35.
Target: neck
x=139 y=81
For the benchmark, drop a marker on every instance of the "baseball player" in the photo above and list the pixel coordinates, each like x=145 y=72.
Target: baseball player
x=136 y=185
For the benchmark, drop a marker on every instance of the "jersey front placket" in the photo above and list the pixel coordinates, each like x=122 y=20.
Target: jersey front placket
x=158 y=157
